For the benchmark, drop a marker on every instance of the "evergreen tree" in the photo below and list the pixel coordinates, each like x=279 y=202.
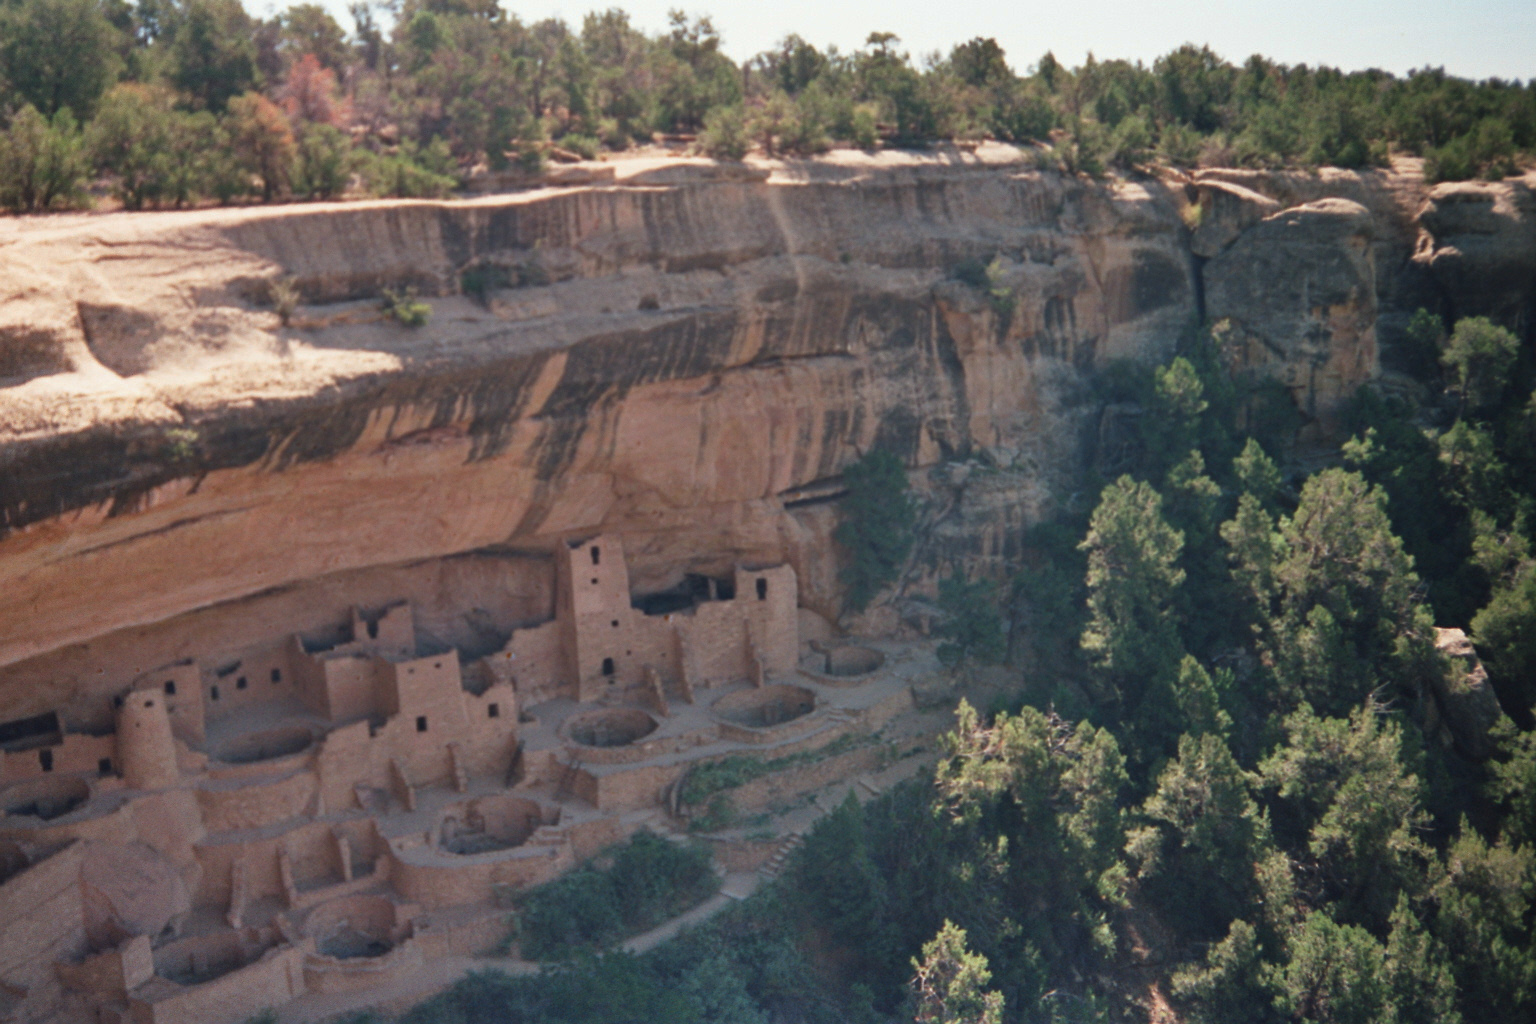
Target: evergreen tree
x=58 y=54
x=950 y=983
x=1133 y=580
x=876 y=527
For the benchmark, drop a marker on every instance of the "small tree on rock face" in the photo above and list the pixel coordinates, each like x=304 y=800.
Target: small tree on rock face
x=950 y=984
x=876 y=530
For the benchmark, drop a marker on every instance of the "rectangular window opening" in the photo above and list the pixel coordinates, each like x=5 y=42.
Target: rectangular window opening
x=421 y=723
x=26 y=733
x=494 y=711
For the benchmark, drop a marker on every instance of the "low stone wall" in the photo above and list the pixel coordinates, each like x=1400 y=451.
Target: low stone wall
x=272 y=980
x=336 y=974
x=780 y=788
x=447 y=880
x=231 y=808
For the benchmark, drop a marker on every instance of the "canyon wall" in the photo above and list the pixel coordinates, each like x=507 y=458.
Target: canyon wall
x=691 y=356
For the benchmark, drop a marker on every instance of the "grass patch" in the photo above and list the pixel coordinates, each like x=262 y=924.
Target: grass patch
x=705 y=780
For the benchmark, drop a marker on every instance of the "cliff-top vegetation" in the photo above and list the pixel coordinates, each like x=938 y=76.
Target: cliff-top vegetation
x=165 y=103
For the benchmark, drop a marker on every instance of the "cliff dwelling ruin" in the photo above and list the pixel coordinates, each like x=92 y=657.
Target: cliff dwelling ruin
x=301 y=816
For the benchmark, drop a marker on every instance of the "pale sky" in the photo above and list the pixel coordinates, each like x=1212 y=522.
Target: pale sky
x=1472 y=38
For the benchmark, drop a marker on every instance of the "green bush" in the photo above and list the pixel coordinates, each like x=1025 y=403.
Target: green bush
x=283 y=296
x=704 y=780
x=584 y=146
x=325 y=162
x=646 y=881
x=42 y=163
x=481 y=280
x=405 y=308
x=725 y=135
x=424 y=172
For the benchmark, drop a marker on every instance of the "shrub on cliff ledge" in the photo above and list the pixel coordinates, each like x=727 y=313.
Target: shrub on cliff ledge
x=405 y=308
x=877 y=525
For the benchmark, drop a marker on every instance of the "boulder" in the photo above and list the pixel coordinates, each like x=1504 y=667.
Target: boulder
x=131 y=889
x=1295 y=298
x=1467 y=704
x=1226 y=211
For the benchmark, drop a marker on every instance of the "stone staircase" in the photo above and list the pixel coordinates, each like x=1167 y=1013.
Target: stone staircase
x=787 y=846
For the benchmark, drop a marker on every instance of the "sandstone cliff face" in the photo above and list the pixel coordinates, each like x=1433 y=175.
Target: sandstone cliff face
x=1480 y=244
x=694 y=358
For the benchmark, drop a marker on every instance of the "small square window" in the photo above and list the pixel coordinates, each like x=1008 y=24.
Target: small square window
x=494 y=711
x=277 y=675
x=170 y=687
x=104 y=766
x=615 y=623
x=45 y=759
x=213 y=693
x=240 y=683
x=421 y=723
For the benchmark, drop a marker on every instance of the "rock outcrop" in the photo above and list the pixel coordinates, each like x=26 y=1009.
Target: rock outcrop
x=1480 y=245
x=1468 y=708
x=1226 y=211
